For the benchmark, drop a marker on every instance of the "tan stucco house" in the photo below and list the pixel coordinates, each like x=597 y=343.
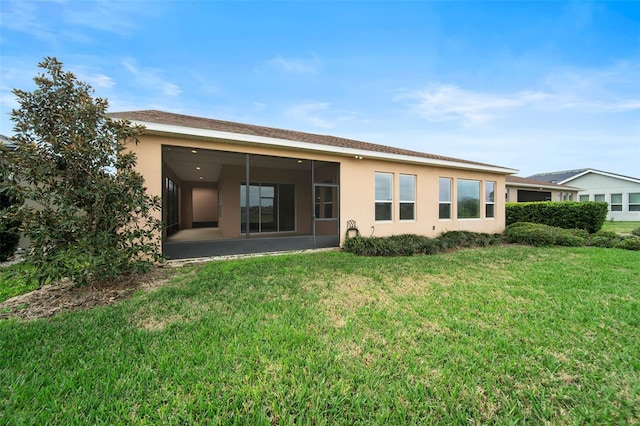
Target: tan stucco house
x=521 y=190
x=231 y=188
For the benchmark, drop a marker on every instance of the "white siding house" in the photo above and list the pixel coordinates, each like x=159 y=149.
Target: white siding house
x=621 y=192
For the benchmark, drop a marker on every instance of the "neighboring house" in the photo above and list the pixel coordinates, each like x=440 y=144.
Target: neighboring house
x=621 y=192
x=231 y=188
x=521 y=190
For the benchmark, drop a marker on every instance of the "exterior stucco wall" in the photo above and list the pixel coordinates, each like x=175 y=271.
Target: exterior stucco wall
x=357 y=189
x=358 y=199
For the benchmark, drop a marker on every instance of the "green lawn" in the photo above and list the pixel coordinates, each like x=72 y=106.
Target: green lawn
x=621 y=227
x=503 y=335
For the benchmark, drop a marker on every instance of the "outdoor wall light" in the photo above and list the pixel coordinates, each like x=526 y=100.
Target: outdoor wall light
x=358 y=157
x=194 y=151
x=197 y=167
x=200 y=177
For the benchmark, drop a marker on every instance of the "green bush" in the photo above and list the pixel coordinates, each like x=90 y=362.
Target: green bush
x=607 y=239
x=629 y=243
x=589 y=216
x=533 y=234
x=9 y=227
x=411 y=244
x=636 y=232
x=571 y=237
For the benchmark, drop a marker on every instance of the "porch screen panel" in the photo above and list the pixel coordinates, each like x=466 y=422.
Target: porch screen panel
x=287 y=207
x=171 y=206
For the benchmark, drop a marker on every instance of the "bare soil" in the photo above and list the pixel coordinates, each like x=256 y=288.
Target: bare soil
x=65 y=296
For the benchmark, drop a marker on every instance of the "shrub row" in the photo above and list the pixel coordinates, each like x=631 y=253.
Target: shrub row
x=534 y=234
x=588 y=215
x=537 y=234
x=411 y=244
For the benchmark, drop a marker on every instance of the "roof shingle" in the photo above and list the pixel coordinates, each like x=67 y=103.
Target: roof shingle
x=161 y=117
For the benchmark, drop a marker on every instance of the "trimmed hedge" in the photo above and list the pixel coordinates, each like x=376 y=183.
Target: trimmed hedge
x=536 y=234
x=589 y=215
x=411 y=244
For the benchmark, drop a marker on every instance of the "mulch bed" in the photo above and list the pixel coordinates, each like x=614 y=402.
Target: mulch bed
x=65 y=296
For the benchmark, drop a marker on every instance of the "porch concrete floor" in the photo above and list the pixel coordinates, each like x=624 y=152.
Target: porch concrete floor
x=196 y=234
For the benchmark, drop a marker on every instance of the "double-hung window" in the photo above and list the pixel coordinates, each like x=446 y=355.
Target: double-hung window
x=584 y=198
x=407 y=197
x=489 y=199
x=616 y=203
x=384 y=196
x=445 y=198
x=599 y=197
x=634 y=202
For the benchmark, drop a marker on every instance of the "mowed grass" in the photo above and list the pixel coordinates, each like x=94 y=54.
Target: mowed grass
x=504 y=335
x=620 y=227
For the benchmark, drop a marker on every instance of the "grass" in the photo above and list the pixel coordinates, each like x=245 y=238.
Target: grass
x=13 y=283
x=620 y=227
x=511 y=335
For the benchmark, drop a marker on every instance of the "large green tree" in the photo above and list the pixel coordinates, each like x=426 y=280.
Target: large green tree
x=88 y=216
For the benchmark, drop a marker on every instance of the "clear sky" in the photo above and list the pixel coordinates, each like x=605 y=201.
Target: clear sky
x=536 y=86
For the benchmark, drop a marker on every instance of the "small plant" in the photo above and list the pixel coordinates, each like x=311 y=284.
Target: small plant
x=636 y=232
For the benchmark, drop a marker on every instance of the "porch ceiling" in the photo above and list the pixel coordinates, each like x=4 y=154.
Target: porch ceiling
x=184 y=162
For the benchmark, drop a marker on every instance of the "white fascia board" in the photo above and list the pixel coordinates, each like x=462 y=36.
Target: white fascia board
x=308 y=146
x=598 y=172
x=543 y=186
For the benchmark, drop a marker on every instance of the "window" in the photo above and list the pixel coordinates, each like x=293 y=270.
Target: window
x=616 y=203
x=634 y=202
x=599 y=197
x=407 y=197
x=445 y=198
x=468 y=199
x=384 y=196
x=271 y=207
x=584 y=198
x=489 y=199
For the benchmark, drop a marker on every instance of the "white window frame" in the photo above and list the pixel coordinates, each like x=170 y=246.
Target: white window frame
x=602 y=196
x=634 y=206
x=580 y=198
x=442 y=202
x=378 y=201
x=404 y=200
x=618 y=206
x=458 y=200
x=489 y=199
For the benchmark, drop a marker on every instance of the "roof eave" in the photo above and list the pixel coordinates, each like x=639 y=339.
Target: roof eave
x=159 y=128
x=543 y=186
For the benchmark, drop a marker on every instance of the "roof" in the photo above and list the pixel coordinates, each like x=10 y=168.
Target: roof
x=569 y=175
x=165 y=122
x=533 y=183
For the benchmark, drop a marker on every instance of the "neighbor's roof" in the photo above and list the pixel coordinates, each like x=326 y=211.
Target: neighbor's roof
x=533 y=183
x=569 y=175
x=164 y=122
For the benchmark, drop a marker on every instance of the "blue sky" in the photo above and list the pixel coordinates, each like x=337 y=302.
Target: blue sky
x=535 y=86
